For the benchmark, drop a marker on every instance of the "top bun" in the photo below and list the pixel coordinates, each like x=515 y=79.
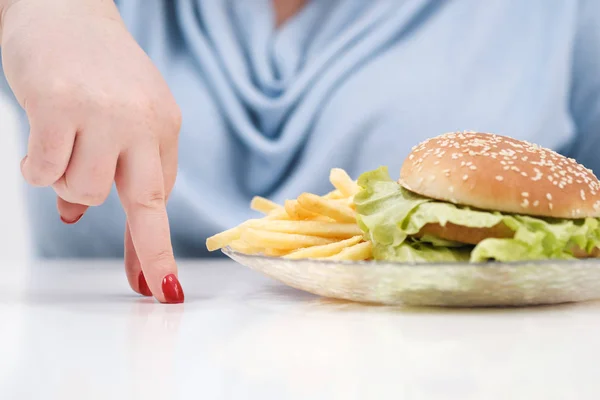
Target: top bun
x=498 y=173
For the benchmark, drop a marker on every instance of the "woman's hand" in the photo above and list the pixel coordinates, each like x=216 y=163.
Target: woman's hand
x=99 y=112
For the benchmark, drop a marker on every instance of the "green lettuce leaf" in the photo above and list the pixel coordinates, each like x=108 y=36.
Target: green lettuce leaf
x=389 y=215
x=418 y=251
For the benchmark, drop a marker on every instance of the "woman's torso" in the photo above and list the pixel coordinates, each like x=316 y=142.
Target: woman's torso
x=344 y=83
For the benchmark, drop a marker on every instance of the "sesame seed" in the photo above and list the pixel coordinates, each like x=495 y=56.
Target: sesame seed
x=436 y=162
x=550 y=206
x=499 y=178
x=525 y=203
x=465 y=177
x=451 y=189
x=472 y=167
x=549 y=196
x=582 y=193
x=525 y=194
x=536 y=203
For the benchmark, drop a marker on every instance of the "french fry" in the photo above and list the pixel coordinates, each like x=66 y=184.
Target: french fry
x=297 y=212
x=290 y=208
x=311 y=228
x=243 y=247
x=324 y=251
x=342 y=182
x=334 y=195
x=263 y=205
x=223 y=239
x=346 y=201
x=329 y=208
x=308 y=215
x=358 y=252
x=278 y=214
x=281 y=241
x=275 y=252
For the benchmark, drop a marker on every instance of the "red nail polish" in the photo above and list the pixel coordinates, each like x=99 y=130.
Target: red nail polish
x=172 y=289
x=71 y=222
x=143 y=285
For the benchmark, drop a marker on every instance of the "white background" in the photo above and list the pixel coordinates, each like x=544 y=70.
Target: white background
x=13 y=228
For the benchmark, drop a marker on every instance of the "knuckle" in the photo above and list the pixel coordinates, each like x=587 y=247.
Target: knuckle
x=150 y=200
x=61 y=88
x=174 y=117
x=62 y=95
x=42 y=171
x=54 y=143
x=56 y=93
x=156 y=112
x=93 y=197
x=140 y=103
x=89 y=184
x=86 y=194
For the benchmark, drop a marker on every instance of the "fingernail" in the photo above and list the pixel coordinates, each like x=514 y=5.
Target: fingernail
x=143 y=285
x=71 y=222
x=172 y=289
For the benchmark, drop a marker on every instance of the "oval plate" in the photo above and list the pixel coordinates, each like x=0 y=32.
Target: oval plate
x=440 y=284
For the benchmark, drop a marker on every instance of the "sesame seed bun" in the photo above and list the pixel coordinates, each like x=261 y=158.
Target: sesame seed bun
x=498 y=173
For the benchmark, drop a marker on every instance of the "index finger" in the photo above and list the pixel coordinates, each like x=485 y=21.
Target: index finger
x=141 y=189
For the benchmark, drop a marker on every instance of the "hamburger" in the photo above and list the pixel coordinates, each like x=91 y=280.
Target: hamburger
x=477 y=197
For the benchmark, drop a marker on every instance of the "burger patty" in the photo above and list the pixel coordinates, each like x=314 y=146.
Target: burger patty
x=472 y=236
x=465 y=234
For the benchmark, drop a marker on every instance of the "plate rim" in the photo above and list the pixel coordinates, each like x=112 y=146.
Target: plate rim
x=228 y=251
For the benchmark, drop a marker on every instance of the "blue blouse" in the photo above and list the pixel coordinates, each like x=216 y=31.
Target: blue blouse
x=344 y=83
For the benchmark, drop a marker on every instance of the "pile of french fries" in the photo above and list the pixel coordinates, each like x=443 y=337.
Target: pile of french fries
x=311 y=226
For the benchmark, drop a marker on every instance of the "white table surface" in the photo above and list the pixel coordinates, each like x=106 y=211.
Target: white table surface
x=74 y=330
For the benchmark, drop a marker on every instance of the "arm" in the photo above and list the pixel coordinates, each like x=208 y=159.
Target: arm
x=99 y=112
x=585 y=93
